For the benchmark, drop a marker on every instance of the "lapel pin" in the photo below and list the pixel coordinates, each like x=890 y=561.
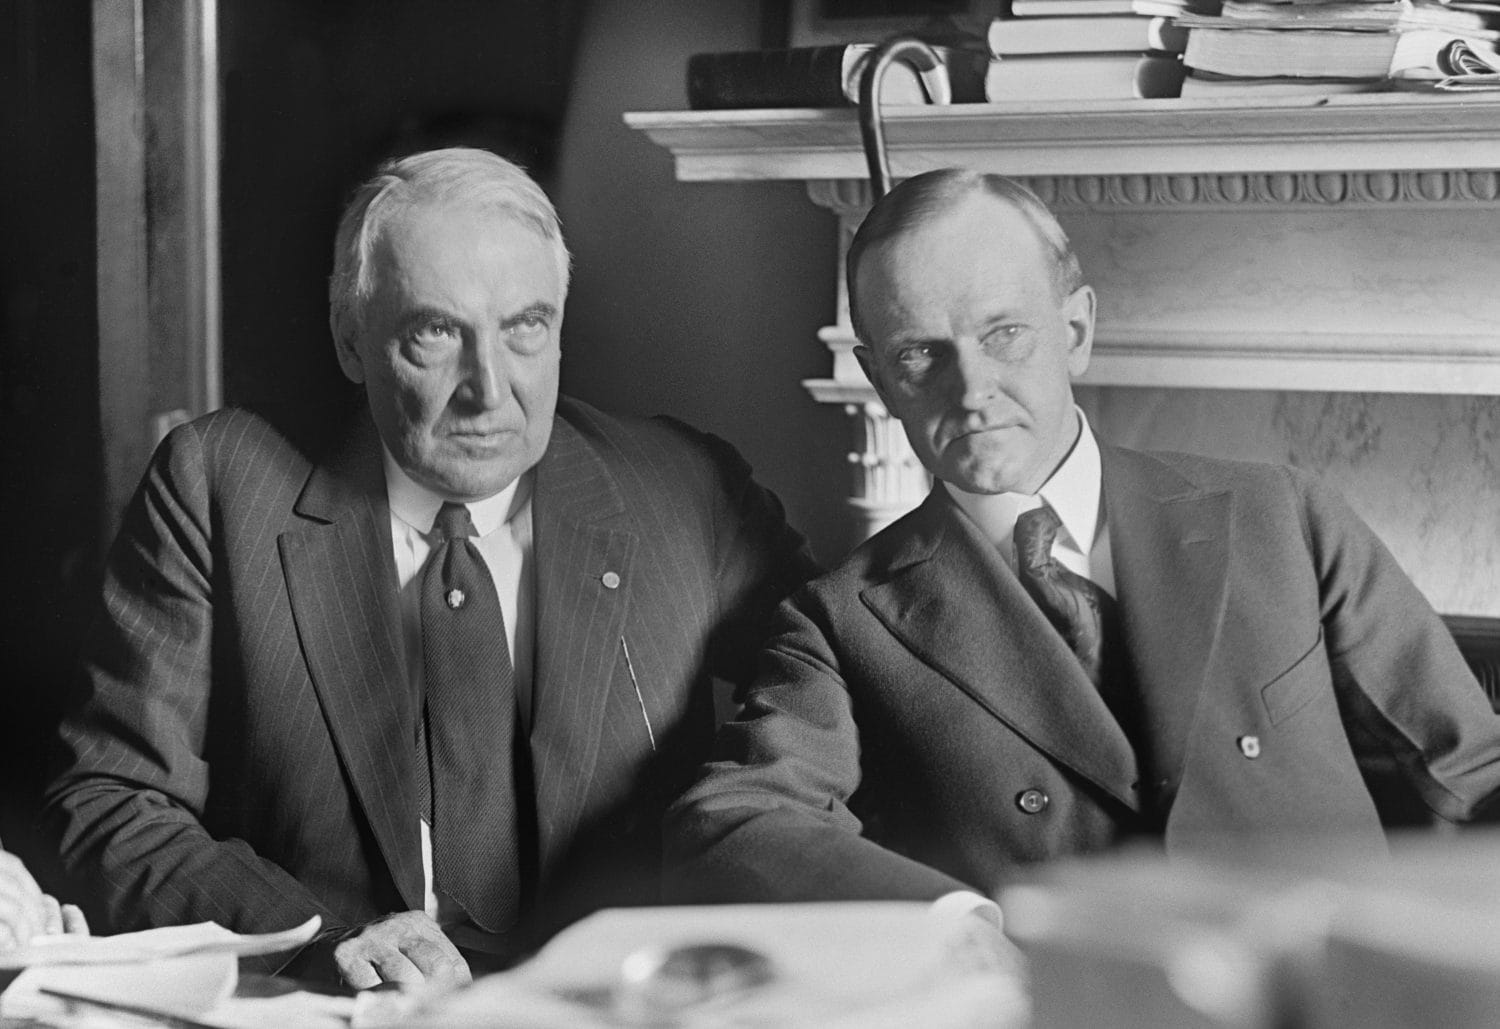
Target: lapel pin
x=1250 y=746
x=1033 y=801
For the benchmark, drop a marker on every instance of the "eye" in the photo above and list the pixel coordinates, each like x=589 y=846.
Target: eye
x=1009 y=342
x=528 y=331
x=916 y=360
x=532 y=321
x=434 y=333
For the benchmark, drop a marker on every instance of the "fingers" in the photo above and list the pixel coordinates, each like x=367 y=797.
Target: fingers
x=23 y=912
x=439 y=961
x=51 y=915
x=355 y=968
x=396 y=967
x=73 y=922
x=14 y=926
x=406 y=948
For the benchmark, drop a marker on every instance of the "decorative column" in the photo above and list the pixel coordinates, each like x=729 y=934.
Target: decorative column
x=888 y=480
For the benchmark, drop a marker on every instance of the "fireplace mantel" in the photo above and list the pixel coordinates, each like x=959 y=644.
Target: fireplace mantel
x=1338 y=134
x=1341 y=244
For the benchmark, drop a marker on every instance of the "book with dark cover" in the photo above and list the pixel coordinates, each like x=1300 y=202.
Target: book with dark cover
x=825 y=76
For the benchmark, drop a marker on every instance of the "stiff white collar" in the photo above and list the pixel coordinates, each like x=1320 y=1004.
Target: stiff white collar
x=417 y=506
x=1072 y=490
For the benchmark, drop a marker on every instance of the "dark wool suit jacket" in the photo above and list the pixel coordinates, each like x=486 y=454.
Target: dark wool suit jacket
x=244 y=751
x=918 y=727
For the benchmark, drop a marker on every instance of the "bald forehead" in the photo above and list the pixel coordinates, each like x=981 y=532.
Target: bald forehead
x=420 y=227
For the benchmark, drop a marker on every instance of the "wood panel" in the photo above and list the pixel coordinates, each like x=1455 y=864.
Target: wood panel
x=156 y=132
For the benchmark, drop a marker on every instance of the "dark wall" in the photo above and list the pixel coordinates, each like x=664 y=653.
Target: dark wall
x=698 y=299
x=49 y=425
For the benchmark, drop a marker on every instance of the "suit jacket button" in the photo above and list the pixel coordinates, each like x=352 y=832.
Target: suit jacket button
x=1250 y=746
x=1032 y=801
x=611 y=580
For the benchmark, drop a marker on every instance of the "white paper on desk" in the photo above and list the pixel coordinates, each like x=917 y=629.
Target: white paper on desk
x=182 y=971
x=301 y=1010
x=184 y=986
x=836 y=964
x=150 y=944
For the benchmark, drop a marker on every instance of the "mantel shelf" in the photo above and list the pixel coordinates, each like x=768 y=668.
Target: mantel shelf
x=1371 y=132
x=1407 y=175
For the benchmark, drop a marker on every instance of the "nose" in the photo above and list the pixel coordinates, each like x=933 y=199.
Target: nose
x=483 y=382
x=976 y=377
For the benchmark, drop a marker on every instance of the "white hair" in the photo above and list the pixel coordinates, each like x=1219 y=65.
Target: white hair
x=458 y=176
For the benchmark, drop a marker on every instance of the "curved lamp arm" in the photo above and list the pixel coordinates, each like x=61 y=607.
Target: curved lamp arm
x=913 y=52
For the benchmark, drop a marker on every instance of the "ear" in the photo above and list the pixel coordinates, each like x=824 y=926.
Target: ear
x=346 y=348
x=1078 y=309
x=866 y=358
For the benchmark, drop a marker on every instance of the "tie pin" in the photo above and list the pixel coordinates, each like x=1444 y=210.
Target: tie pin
x=454 y=599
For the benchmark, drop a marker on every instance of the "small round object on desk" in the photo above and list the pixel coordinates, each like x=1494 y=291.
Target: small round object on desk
x=1033 y=801
x=1250 y=746
x=611 y=580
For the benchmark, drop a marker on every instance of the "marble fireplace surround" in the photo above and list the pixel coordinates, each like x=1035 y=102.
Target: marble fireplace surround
x=1311 y=283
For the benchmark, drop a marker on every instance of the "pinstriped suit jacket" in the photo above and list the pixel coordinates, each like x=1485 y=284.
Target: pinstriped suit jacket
x=244 y=750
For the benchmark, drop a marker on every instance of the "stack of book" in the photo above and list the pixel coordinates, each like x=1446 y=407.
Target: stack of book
x=1270 y=47
x=1085 y=50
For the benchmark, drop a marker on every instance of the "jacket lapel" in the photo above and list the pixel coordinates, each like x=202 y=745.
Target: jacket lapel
x=581 y=532
x=951 y=599
x=1171 y=544
x=341 y=581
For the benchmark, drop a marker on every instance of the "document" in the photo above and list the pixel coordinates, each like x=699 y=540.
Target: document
x=178 y=976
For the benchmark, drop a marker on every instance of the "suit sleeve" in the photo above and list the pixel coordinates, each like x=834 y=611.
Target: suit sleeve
x=134 y=779
x=760 y=559
x=768 y=819
x=1396 y=666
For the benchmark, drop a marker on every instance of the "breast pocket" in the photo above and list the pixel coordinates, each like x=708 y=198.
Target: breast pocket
x=1299 y=685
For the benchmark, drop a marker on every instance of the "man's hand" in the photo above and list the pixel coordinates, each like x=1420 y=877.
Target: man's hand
x=407 y=947
x=64 y=918
x=25 y=911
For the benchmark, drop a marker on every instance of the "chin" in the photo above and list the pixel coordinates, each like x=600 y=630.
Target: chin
x=980 y=487
x=984 y=478
x=466 y=484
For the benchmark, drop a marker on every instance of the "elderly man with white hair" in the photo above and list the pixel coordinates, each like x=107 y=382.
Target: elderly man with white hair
x=437 y=682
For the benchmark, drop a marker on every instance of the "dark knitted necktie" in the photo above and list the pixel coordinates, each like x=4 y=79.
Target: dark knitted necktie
x=1079 y=610
x=471 y=727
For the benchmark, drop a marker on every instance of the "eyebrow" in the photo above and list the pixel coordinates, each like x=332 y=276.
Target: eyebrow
x=423 y=315
x=1001 y=317
x=426 y=313
x=541 y=307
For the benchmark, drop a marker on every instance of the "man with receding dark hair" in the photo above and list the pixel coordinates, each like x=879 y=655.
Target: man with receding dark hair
x=1067 y=643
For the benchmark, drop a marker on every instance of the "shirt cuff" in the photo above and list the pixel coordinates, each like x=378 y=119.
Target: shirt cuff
x=967 y=902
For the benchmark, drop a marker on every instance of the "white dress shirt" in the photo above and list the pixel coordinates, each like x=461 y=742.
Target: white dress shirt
x=1074 y=491
x=504 y=541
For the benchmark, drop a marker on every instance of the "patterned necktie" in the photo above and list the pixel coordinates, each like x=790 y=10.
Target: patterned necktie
x=1076 y=607
x=470 y=711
